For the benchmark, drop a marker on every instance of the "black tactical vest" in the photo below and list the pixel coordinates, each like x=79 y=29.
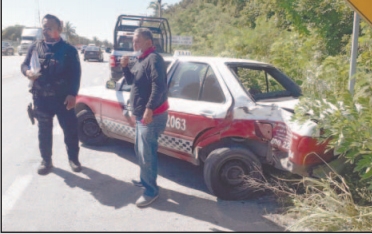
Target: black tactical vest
x=53 y=69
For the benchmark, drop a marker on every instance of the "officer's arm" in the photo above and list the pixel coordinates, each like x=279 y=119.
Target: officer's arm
x=26 y=63
x=74 y=70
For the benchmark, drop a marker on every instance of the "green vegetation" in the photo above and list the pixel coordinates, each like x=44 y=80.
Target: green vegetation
x=310 y=41
x=12 y=33
x=325 y=205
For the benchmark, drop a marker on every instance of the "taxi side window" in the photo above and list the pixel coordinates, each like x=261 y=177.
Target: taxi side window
x=195 y=81
x=211 y=89
x=257 y=80
x=185 y=82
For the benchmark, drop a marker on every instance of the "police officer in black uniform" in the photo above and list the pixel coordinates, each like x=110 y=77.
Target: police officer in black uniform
x=54 y=90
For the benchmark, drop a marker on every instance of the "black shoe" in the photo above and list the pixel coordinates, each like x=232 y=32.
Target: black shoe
x=45 y=167
x=137 y=183
x=75 y=165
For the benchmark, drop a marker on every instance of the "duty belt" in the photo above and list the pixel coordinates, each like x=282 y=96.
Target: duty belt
x=43 y=93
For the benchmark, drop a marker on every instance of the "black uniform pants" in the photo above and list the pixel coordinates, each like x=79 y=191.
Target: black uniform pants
x=45 y=109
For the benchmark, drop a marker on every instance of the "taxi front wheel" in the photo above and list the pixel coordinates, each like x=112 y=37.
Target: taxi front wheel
x=228 y=170
x=89 y=131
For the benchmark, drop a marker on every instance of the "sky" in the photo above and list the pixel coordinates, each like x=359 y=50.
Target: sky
x=89 y=17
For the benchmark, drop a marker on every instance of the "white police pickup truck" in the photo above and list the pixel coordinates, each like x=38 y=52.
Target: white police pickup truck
x=229 y=115
x=123 y=39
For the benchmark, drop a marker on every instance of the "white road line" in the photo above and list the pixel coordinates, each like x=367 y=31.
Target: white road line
x=14 y=193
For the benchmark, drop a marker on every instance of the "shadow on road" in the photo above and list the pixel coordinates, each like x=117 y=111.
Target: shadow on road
x=227 y=214
x=105 y=189
x=176 y=170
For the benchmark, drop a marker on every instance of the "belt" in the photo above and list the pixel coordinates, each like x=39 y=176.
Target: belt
x=43 y=93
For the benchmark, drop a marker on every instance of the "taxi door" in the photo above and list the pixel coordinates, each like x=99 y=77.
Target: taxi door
x=198 y=101
x=115 y=117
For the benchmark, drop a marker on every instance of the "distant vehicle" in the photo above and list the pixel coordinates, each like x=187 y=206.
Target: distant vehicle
x=83 y=49
x=91 y=44
x=108 y=50
x=93 y=52
x=6 y=48
x=123 y=37
x=29 y=36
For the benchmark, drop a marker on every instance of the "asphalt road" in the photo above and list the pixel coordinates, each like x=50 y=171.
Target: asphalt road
x=101 y=198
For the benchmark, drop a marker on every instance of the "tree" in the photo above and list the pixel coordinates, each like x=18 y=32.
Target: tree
x=106 y=43
x=157 y=7
x=95 y=40
x=12 y=32
x=69 y=30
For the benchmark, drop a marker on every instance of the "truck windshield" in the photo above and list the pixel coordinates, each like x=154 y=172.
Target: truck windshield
x=28 y=38
x=125 y=43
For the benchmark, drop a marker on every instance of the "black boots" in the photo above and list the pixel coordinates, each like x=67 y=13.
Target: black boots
x=75 y=165
x=45 y=167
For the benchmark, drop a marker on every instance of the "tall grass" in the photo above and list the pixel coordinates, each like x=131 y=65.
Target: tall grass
x=323 y=205
x=328 y=205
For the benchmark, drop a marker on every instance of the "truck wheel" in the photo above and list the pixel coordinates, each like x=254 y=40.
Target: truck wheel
x=89 y=130
x=10 y=52
x=225 y=169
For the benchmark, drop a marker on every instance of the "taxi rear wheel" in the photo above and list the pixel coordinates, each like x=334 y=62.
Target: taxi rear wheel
x=89 y=130
x=226 y=171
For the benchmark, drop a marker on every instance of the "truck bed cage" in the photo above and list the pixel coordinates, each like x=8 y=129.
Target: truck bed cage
x=158 y=26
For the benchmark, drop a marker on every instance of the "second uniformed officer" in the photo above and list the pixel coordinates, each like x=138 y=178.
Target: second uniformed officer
x=54 y=90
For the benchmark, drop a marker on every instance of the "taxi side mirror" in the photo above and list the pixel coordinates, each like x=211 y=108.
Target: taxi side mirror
x=111 y=84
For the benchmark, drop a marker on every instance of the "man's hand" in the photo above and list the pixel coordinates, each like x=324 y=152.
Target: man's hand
x=70 y=101
x=124 y=61
x=147 y=116
x=30 y=75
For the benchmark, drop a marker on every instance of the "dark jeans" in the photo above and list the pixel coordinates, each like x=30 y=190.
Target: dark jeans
x=45 y=109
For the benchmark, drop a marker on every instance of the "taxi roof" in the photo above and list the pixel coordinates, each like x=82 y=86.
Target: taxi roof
x=219 y=60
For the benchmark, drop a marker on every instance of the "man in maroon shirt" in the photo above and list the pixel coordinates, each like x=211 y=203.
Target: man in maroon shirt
x=148 y=102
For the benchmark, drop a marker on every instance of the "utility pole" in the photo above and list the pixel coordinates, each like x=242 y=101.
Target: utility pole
x=159 y=8
x=37 y=14
x=354 y=52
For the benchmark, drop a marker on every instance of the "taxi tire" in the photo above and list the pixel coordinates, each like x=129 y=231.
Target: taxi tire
x=87 y=117
x=220 y=161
